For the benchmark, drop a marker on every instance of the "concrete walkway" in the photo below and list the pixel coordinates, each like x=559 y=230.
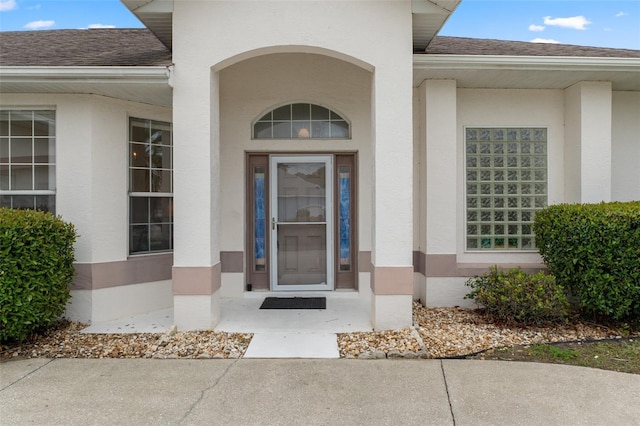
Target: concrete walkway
x=312 y=392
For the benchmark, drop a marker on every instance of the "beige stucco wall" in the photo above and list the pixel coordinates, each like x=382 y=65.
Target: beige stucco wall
x=625 y=155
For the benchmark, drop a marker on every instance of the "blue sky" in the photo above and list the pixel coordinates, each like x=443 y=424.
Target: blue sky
x=604 y=23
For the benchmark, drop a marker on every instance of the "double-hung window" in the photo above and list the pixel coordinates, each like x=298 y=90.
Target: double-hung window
x=506 y=183
x=150 y=186
x=27 y=159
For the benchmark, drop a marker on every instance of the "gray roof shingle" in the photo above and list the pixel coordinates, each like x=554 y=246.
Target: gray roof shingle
x=93 y=47
x=139 y=47
x=472 y=46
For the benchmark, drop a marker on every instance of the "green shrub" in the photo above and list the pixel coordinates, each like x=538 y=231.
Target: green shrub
x=36 y=266
x=594 y=251
x=516 y=296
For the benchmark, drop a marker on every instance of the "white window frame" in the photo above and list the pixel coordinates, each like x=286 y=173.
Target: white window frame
x=147 y=195
x=51 y=165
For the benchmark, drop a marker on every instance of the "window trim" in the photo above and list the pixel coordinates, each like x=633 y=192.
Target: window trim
x=465 y=221
x=141 y=194
x=54 y=137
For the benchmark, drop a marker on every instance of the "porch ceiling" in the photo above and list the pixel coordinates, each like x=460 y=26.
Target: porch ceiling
x=508 y=72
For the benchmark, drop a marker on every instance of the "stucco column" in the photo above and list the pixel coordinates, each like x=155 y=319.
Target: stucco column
x=588 y=142
x=439 y=188
x=392 y=221
x=196 y=270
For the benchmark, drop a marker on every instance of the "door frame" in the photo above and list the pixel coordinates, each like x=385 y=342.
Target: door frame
x=257 y=274
x=274 y=160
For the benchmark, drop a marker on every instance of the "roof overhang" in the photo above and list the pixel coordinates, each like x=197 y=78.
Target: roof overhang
x=150 y=85
x=428 y=17
x=157 y=15
x=526 y=72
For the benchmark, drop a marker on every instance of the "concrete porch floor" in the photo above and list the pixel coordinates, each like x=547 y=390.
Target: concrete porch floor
x=277 y=333
x=346 y=312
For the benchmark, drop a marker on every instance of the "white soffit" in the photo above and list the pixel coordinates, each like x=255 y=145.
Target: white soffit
x=526 y=72
x=149 y=85
x=428 y=18
x=157 y=15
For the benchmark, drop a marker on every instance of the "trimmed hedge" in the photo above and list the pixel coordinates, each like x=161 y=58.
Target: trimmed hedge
x=594 y=251
x=36 y=266
x=516 y=296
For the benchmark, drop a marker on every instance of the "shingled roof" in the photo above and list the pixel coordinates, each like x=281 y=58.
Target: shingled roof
x=93 y=47
x=472 y=46
x=139 y=47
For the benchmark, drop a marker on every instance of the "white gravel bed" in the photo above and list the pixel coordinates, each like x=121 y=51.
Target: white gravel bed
x=436 y=333
x=453 y=332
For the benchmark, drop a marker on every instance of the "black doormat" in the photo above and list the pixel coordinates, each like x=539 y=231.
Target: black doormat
x=294 y=303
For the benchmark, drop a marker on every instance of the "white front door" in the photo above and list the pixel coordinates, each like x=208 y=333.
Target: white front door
x=302 y=222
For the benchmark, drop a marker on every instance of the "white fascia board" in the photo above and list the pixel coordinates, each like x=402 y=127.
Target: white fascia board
x=551 y=63
x=143 y=75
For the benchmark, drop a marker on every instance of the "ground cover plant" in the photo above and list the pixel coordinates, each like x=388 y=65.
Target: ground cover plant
x=515 y=296
x=36 y=267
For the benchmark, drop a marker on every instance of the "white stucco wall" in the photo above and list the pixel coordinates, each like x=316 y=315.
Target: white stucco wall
x=625 y=155
x=92 y=167
x=588 y=109
x=510 y=108
x=213 y=35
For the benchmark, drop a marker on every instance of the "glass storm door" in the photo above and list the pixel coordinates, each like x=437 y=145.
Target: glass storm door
x=301 y=223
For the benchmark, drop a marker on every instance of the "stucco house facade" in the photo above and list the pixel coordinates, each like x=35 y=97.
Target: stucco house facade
x=235 y=147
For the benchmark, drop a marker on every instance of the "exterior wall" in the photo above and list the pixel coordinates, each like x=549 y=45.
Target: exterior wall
x=91 y=192
x=593 y=151
x=246 y=95
x=625 y=150
x=211 y=36
x=588 y=134
x=441 y=261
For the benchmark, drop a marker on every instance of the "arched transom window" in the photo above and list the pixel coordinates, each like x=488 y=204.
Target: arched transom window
x=301 y=121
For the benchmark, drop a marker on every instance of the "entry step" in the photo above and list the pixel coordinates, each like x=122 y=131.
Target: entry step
x=293 y=345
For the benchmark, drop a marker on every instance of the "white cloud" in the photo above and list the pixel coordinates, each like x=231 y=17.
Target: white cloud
x=7 y=5
x=38 y=25
x=621 y=13
x=534 y=27
x=575 y=22
x=545 y=40
x=36 y=7
x=101 y=26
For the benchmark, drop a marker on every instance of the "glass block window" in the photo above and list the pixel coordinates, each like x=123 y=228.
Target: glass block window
x=301 y=121
x=27 y=159
x=150 y=186
x=506 y=183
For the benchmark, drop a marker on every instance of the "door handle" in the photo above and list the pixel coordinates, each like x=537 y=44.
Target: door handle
x=273 y=223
